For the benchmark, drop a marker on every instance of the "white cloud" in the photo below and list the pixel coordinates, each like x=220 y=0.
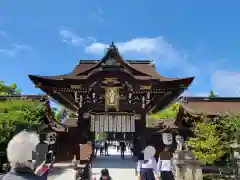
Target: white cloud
x=169 y=58
x=226 y=83
x=157 y=49
x=3 y=33
x=69 y=37
x=16 y=49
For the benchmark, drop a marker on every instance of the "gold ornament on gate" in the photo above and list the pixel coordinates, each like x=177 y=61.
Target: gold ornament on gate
x=111 y=97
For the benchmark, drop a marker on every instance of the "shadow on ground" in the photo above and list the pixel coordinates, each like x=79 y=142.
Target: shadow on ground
x=114 y=161
x=56 y=171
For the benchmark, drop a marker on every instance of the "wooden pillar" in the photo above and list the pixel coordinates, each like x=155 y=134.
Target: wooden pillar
x=139 y=137
x=83 y=132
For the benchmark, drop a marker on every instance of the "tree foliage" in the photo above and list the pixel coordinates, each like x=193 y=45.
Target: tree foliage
x=207 y=145
x=9 y=89
x=169 y=112
x=212 y=94
x=213 y=138
x=17 y=114
x=101 y=135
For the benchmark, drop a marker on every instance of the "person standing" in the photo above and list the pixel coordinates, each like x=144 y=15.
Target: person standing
x=118 y=146
x=166 y=165
x=101 y=148
x=106 y=148
x=41 y=150
x=122 y=149
x=97 y=146
x=19 y=153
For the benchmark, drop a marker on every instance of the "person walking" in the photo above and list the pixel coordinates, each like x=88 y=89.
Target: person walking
x=146 y=169
x=106 y=148
x=97 y=147
x=166 y=165
x=122 y=149
x=101 y=148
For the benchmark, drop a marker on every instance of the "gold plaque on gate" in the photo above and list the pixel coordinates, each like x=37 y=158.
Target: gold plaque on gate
x=112 y=97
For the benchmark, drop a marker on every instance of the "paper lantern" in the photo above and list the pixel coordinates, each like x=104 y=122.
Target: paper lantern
x=51 y=137
x=167 y=138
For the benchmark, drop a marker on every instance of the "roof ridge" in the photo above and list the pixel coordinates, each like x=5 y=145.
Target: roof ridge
x=209 y=99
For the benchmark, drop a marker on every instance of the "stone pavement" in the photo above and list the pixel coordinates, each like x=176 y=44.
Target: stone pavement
x=119 y=169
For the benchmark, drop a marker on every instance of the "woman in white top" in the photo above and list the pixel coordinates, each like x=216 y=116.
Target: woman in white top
x=165 y=165
x=146 y=169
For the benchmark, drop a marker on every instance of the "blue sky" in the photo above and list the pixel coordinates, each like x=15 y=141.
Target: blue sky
x=184 y=38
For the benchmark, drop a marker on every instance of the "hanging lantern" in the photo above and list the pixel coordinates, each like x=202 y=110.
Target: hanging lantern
x=130 y=98
x=143 y=102
x=179 y=139
x=80 y=101
x=94 y=97
x=86 y=115
x=148 y=95
x=137 y=116
x=76 y=96
x=51 y=137
x=167 y=138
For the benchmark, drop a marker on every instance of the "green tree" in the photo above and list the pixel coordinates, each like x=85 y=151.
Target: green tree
x=207 y=145
x=101 y=135
x=213 y=138
x=169 y=112
x=17 y=114
x=9 y=89
x=211 y=94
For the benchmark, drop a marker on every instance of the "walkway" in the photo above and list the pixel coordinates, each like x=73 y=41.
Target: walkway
x=119 y=169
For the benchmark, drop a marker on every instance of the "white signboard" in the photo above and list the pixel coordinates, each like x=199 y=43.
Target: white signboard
x=92 y=123
x=112 y=123
x=132 y=124
x=101 y=123
x=119 y=123
x=106 y=123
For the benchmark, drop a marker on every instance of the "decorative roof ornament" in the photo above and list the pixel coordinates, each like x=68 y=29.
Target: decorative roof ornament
x=112 y=47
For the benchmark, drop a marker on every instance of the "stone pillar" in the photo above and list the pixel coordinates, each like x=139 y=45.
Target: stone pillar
x=198 y=173
x=189 y=172
x=187 y=167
